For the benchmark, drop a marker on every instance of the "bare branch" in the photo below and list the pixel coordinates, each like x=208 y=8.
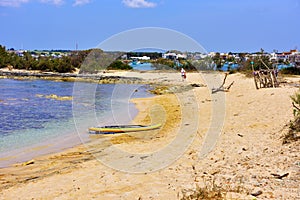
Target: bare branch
x=295 y=106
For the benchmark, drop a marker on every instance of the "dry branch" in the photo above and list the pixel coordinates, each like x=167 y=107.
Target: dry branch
x=222 y=88
x=295 y=106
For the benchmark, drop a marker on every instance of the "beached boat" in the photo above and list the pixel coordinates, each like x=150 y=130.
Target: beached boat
x=122 y=129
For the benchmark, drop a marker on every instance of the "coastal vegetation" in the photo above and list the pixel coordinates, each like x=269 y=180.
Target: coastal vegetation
x=28 y=62
x=293 y=133
x=291 y=71
x=90 y=60
x=95 y=60
x=98 y=60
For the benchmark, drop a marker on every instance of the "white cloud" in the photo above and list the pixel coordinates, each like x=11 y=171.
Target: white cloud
x=55 y=2
x=12 y=3
x=138 y=4
x=81 y=2
x=16 y=3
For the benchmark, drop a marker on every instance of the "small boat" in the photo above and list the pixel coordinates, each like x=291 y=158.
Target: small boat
x=122 y=129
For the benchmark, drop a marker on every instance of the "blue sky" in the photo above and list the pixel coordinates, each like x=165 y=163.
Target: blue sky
x=218 y=25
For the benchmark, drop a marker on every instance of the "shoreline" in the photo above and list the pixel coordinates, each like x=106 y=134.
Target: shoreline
x=68 y=77
x=81 y=152
x=58 y=144
x=247 y=152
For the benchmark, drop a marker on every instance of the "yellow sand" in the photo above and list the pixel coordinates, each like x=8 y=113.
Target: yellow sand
x=248 y=150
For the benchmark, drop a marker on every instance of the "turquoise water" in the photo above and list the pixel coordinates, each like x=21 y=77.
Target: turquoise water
x=283 y=66
x=227 y=67
x=143 y=66
x=28 y=118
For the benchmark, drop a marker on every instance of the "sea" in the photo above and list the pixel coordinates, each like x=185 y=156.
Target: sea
x=49 y=116
x=142 y=66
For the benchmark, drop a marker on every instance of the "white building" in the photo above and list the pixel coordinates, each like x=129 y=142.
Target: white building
x=141 y=58
x=174 y=56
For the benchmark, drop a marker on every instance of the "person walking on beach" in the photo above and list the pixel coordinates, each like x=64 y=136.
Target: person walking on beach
x=183 y=74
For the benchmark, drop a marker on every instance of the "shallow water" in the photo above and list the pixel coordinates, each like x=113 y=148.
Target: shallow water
x=143 y=66
x=29 y=117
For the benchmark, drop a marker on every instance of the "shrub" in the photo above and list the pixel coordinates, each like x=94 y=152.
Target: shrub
x=291 y=70
x=212 y=192
x=294 y=126
x=296 y=104
x=119 y=65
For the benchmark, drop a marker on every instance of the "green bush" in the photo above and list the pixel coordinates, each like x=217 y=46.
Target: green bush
x=291 y=70
x=293 y=133
x=296 y=103
x=119 y=65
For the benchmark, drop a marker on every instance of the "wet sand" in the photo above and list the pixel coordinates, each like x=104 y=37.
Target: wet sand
x=247 y=151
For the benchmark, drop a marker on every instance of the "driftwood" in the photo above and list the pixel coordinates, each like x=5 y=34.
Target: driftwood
x=265 y=78
x=280 y=176
x=222 y=87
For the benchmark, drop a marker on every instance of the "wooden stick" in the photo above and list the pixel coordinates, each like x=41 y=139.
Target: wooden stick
x=222 y=88
x=264 y=64
x=230 y=85
x=224 y=80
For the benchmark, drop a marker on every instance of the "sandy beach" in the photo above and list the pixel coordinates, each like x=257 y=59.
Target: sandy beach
x=232 y=139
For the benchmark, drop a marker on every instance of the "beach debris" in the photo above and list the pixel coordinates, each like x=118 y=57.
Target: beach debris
x=214 y=172
x=280 y=176
x=31 y=178
x=222 y=87
x=265 y=78
x=197 y=85
x=240 y=135
x=257 y=193
x=30 y=162
x=143 y=157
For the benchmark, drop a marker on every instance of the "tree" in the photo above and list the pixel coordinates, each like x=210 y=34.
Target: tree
x=119 y=65
x=218 y=60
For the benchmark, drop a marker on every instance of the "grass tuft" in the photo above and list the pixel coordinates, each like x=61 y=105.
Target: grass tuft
x=293 y=133
x=209 y=192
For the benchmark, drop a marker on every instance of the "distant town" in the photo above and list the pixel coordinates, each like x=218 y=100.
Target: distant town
x=64 y=61
x=292 y=56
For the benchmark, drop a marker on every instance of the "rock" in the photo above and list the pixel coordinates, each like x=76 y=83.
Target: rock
x=257 y=193
x=197 y=85
x=60 y=98
x=215 y=171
